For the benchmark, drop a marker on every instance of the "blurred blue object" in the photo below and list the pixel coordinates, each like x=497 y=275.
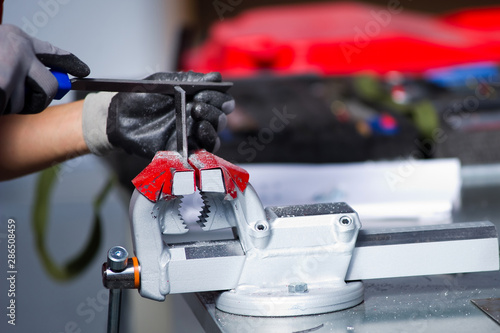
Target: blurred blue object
x=457 y=76
x=64 y=83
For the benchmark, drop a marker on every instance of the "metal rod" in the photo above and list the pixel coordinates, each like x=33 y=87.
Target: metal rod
x=180 y=121
x=114 y=307
x=117 y=262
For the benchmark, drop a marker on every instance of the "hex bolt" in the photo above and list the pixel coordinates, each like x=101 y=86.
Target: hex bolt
x=345 y=220
x=297 y=288
x=117 y=258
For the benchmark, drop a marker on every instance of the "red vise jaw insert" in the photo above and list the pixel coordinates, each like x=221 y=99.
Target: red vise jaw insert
x=167 y=174
x=214 y=174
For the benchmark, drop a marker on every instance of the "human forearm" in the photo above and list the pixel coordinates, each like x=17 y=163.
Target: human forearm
x=139 y=123
x=30 y=143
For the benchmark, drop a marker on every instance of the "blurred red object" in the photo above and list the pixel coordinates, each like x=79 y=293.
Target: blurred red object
x=345 y=38
x=481 y=19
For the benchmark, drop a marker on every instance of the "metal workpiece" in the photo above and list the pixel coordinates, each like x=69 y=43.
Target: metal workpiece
x=180 y=121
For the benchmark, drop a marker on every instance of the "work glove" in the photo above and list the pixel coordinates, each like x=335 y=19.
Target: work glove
x=26 y=85
x=144 y=123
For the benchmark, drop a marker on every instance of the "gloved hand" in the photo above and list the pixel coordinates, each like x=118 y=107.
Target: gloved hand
x=25 y=83
x=144 y=123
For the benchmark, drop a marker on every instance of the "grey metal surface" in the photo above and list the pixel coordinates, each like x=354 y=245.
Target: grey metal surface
x=438 y=303
x=149 y=86
x=490 y=306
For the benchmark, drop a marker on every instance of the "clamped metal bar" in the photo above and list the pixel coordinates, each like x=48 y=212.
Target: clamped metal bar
x=180 y=121
x=119 y=272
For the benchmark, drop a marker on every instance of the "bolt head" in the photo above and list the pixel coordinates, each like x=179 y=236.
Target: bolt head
x=117 y=258
x=345 y=220
x=297 y=288
x=261 y=226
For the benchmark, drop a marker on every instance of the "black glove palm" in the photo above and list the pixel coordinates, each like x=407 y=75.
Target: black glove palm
x=144 y=123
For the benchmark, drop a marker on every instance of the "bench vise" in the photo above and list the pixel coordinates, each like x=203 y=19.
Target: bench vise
x=282 y=261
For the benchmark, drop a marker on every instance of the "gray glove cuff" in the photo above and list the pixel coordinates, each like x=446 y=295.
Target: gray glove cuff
x=94 y=120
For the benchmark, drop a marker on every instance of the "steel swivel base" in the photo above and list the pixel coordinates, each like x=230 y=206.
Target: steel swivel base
x=281 y=303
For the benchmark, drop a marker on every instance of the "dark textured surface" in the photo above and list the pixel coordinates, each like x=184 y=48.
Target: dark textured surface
x=293 y=122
